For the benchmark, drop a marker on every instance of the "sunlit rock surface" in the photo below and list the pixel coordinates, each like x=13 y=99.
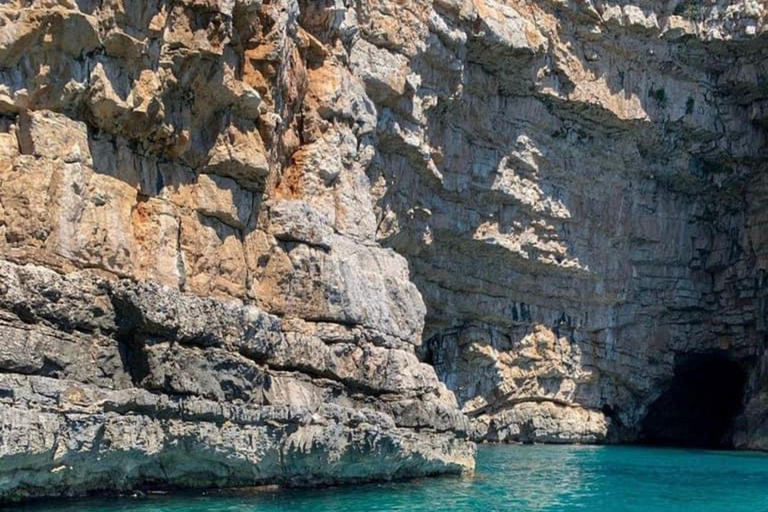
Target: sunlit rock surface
x=226 y=227
x=579 y=189
x=191 y=289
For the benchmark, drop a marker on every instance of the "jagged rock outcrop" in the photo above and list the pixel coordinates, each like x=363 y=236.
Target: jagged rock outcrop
x=227 y=225
x=578 y=189
x=191 y=291
x=110 y=385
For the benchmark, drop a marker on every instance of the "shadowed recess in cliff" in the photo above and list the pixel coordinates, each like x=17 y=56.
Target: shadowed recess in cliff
x=699 y=405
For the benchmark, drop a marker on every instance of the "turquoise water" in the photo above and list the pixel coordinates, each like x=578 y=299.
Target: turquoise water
x=515 y=478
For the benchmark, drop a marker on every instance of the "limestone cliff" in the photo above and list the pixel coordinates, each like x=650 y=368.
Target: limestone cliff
x=192 y=293
x=579 y=188
x=226 y=226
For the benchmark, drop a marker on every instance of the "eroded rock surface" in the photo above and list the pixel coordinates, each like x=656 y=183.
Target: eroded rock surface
x=110 y=385
x=578 y=187
x=227 y=225
x=191 y=289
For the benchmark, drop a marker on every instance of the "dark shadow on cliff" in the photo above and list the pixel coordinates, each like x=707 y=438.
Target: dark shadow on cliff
x=699 y=405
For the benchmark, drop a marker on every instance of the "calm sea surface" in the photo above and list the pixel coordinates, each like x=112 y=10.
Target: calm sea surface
x=515 y=478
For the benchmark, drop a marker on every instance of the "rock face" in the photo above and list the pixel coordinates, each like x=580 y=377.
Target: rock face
x=579 y=188
x=191 y=289
x=110 y=385
x=227 y=225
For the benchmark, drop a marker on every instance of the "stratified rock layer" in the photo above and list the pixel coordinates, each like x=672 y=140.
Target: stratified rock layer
x=579 y=188
x=226 y=226
x=110 y=385
x=191 y=291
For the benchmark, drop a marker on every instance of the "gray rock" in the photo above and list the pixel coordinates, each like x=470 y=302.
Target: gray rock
x=196 y=392
x=226 y=227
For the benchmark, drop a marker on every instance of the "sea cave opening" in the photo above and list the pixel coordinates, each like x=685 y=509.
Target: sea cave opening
x=699 y=405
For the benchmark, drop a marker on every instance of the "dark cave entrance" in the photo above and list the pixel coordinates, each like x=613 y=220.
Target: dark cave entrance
x=699 y=406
